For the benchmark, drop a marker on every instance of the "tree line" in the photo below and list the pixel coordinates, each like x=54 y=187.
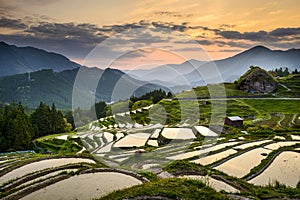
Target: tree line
x=101 y=109
x=283 y=72
x=155 y=96
x=18 y=129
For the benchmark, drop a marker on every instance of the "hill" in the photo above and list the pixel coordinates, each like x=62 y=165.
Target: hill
x=230 y=69
x=257 y=80
x=57 y=87
x=18 y=60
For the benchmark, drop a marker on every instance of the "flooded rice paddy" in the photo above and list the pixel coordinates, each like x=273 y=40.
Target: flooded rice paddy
x=133 y=140
x=40 y=165
x=215 y=157
x=178 y=133
x=284 y=169
x=241 y=165
x=85 y=186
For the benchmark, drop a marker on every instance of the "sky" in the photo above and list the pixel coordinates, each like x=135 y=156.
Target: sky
x=127 y=34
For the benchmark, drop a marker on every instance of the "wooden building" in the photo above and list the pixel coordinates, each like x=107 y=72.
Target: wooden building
x=234 y=121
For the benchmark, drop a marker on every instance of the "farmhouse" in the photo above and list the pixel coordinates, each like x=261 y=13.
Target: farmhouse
x=234 y=121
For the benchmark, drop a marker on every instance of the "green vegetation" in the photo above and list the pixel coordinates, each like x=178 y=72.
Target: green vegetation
x=292 y=84
x=171 y=188
x=182 y=167
x=154 y=96
x=274 y=106
x=46 y=121
x=17 y=129
x=283 y=72
x=255 y=69
x=57 y=146
x=217 y=90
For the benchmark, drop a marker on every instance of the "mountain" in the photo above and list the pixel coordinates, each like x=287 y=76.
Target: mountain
x=18 y=60
x=165 y=74
x=230 y=69
x=193 y=73
x=58 y=87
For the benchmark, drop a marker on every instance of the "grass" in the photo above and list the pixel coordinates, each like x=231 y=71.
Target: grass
x=57 y=146
x=223 y=89
x=293 y=83
x=274 y=105
x=180 y=167
x=270 y=122
x=47 y=137
x=286 y=120
x=173 y=188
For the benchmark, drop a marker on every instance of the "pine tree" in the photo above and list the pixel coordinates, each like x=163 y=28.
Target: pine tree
x=19 y=131
x=41 y=120
x=16 y=129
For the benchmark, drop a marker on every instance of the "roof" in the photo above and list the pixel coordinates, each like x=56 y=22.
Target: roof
x=205 y=131
x=235 y=118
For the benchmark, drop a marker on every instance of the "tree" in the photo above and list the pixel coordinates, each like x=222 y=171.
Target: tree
x=100 y=108
x=19 y=131
x=70 y=119
x=155 y=96
x=48 y=121
x=169 y=95
x=41 y=120
x=16 y=129
x=295 y=71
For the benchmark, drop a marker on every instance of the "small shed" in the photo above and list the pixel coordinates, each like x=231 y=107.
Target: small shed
x=234 y=121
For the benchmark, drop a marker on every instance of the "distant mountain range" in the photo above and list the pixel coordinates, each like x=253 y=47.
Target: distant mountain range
x=30 y=75
x=225 y=70
x=18 y=60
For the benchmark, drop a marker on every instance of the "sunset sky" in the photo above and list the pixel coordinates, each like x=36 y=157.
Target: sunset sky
x=221 y=28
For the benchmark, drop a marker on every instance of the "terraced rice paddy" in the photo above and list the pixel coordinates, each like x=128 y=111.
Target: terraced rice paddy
x=178 y=133
x=152 y=143
x=215 y=157
x=295 y=137
x=251 y=144
x=284 y=169
x=85 y=186
x=201 y=151
x=277 y=145
x=133 y=140
x=241 y=165
x=40 y=165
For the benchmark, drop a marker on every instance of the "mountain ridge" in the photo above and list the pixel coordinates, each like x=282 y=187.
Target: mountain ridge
x=57 y=87
x=228 y=69
x=18 y=60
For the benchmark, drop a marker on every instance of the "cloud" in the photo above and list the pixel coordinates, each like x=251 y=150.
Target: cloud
x=252 y=36
x=39 y=2
x=78 y=39
x=244 y=45
x=175 y=27
x=12 y=23
x=284 y=32
x=205 y=42
x=276 y=35
x=168 y=14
